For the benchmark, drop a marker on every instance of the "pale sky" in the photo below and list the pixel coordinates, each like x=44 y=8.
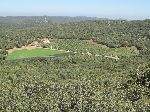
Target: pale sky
x=125 y=9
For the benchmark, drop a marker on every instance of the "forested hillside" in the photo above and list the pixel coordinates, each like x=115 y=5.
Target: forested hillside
x=107 y=70
x=113 y=33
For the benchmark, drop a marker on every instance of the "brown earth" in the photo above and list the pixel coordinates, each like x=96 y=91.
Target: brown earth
x=31 y=46
x=28 y=47
x=94 y=43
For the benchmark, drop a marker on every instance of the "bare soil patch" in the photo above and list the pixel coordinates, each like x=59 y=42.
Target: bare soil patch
x=31 y=46
x=94 y=43
x=28 y=47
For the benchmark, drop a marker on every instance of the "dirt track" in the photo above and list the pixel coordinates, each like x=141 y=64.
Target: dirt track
x=29 y=47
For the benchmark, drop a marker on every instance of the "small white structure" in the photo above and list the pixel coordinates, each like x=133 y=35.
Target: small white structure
x=45 y=41
x=35 y=43
x=89 y=54
x=97 y=55
x=51 y=47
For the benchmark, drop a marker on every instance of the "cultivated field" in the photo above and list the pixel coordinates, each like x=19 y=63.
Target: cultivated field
x=38 y=52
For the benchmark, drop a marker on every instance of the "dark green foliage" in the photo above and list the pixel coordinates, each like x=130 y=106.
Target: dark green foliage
x=3 y=54
x=112 y=33
x=144 y=79
x=75 y=82
x=133 y=95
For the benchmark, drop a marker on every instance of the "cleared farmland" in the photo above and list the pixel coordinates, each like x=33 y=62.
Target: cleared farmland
x=38 y=52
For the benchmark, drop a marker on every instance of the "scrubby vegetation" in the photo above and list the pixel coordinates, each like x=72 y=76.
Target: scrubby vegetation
x=90 y=47
x=85 y=81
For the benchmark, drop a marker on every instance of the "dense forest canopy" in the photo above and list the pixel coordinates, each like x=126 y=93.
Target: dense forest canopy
x=85 y=81
x=113 y=33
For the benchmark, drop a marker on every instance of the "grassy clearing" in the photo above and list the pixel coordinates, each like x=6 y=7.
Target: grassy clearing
x=38 y=52
x=74 y=46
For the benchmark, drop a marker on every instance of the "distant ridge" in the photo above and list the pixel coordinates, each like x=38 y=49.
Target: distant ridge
x=45 y=19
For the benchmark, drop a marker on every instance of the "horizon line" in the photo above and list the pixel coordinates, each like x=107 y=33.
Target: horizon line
x=109 y=18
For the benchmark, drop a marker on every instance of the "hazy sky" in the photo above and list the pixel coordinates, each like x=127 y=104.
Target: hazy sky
x=129 y=9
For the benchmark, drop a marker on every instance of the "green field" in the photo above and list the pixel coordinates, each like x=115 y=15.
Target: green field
x=78 y=46
x=39 y=52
